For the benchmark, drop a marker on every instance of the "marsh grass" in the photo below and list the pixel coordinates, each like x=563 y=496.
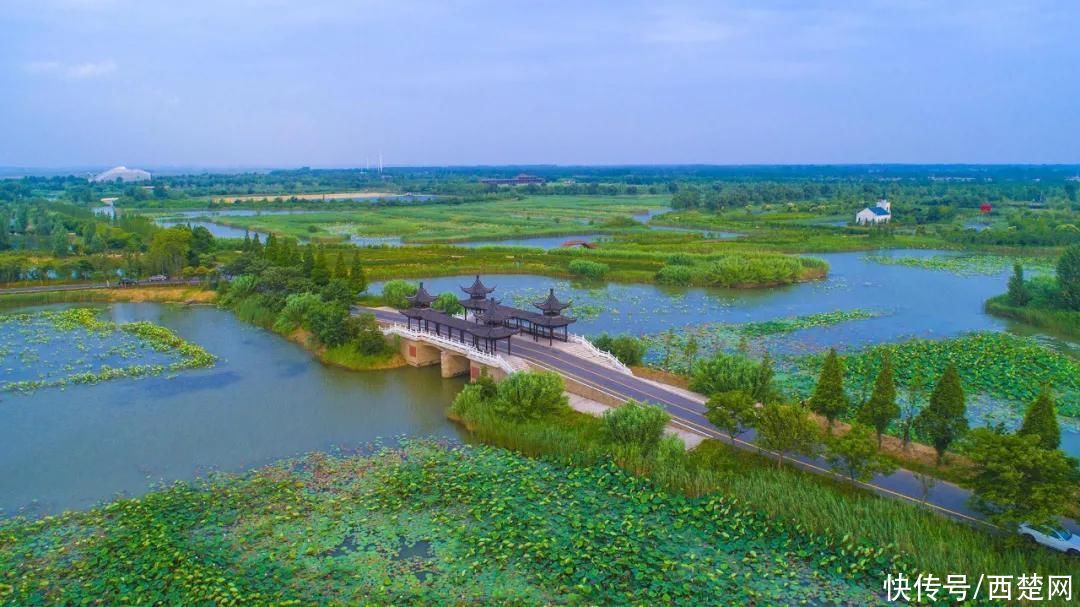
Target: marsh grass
x=932 y=543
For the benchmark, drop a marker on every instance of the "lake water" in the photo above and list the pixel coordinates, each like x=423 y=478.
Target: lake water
x=543 y=242
x=913 y=302
x=264 y=400
x=217 y=229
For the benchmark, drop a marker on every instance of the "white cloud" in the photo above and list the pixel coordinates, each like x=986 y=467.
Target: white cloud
x=91 y=70
x=72 y=71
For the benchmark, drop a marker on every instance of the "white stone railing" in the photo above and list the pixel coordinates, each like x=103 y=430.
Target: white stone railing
x=493 y=360
x=606 y=356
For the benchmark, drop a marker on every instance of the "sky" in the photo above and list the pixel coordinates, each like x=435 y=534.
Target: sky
x=332 y=83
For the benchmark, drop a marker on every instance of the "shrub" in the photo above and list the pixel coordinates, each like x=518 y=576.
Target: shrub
x=530 y=395
x=681 y=259
x=723 y=373
x=588 y=269
x=679 y=275
x=448 y=302
x=733 y=412
x=327 y=322
x=395 y=293
x=635 y=424
x=628 y=349
x=292 y=316
x=367 y=336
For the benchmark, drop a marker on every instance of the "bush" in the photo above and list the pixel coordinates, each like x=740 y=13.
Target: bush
x=679 y=275
x=395 y=293
x=635 y=424
x=367 y=336
x=681 y=259
x=327 y=322
x=724 y=373
x=588 y=269
x=628 y=349
x=530 y=395
x=293 y=315
x=448 y=302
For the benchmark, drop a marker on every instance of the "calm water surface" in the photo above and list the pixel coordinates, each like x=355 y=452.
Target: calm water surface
x=264 y=400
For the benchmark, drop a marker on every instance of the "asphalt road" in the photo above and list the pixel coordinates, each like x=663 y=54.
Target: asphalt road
x=944 y=497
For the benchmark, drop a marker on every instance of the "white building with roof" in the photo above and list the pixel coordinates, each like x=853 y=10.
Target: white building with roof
x=879 y=213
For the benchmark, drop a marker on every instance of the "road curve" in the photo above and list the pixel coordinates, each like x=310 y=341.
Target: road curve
x=945 y=498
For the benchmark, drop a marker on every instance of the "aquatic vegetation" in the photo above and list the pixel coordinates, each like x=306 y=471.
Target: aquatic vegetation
x=425 y=524
x=968 y=265
x=676 y=350
x=1001 y=366
x=75 y=346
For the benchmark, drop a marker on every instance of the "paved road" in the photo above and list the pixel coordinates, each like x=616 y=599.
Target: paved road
x=95 y=285
x=945 y=498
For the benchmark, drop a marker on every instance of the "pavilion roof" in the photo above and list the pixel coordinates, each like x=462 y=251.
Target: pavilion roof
x=477 y=290
x=481 y=331
x=422 y=299
x=551 y=306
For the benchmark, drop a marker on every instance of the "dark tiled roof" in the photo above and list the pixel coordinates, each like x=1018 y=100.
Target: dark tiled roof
x=460 y=324
x=422 y=299
x=477 y=290
x=551 y=306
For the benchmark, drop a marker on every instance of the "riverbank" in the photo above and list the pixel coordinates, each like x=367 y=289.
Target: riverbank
x=1064 y=322
x=345 y=356
x=177 y=294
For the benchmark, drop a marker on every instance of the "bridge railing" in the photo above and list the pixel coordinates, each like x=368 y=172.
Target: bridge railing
x=473 y=353
x=606 y=356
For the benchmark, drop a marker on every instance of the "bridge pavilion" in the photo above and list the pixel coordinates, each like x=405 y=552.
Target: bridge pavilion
x=548 y=324
x=484 y=336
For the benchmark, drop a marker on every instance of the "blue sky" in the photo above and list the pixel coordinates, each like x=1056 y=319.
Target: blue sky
x=333 y=82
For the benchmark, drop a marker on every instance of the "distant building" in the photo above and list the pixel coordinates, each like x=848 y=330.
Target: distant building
x=121 y=173
x=879 y=213
x=520 y=179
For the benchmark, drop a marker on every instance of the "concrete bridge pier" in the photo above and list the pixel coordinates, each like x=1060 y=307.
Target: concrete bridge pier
x=420 y=354
x=454 y=364
x=477 y=369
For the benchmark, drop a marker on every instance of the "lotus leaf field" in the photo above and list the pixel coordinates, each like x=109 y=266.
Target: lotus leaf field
x=969 y=265
x=73 y=346
x=429 y=524
x=999 y=366
x=669 y=350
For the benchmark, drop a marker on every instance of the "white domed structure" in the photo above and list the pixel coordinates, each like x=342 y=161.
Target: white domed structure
x=123 y=174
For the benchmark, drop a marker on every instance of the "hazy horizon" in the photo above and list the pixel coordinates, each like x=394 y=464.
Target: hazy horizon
x=261 y=84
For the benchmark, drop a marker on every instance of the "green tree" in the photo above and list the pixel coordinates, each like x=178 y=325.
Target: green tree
x=320 y=271
x=829 y=399
x=169 y=250
x=1041 y=420
x=340 y=271
x=448 y=302
x=396 y=293
x=60 y=243
x=945 y=418
x=788 y=430
x=1016 y=480
x=733 y=412
x=635 y=424
x=1018 y=294
x=531 y=395
x=855 y=454
x=722 y=373
x=763 y=387
x=881 y=409
x=309 y=260
x=367 y=335
x=356 y=273
x=327 y=321
x=5 y=230
x=1068 y=277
